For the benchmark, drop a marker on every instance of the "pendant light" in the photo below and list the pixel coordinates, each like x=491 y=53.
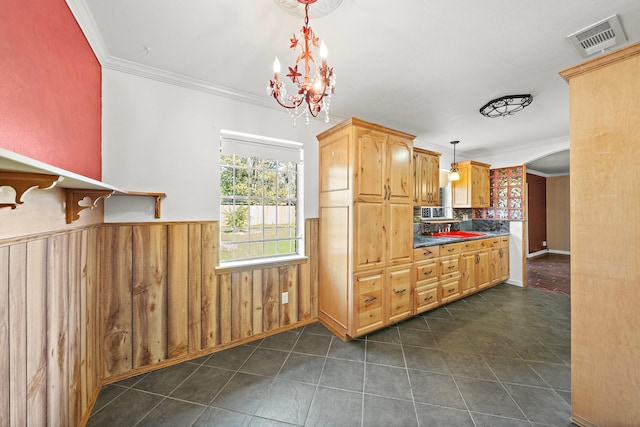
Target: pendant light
x=454 y=175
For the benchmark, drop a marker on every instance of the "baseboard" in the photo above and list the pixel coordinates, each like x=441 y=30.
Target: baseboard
x=538 y=253
x=553 y=251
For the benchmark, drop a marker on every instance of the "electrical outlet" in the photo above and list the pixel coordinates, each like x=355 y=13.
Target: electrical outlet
x=544 y=243
x=285 y=297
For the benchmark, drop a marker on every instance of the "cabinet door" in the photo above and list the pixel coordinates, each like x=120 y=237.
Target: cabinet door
x=461 y=189
x=399 y=293
x=423 y=180
x=399 y=233
x=495 y=266
x=369 y=231
x=468 y=272
x=483 y=268
x=370 y=166
x=504 y=263
x=433 y=179
x=479 y=186
x=399 y=170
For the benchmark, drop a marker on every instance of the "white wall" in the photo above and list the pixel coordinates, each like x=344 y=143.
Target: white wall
x=161 y=137
x=522 y=156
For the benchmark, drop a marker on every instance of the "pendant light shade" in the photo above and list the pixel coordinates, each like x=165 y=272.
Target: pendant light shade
x=454 y=175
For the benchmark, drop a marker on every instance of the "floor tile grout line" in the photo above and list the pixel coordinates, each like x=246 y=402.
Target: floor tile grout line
x=466 y=405
x=510 y=396
x=317 y=385
x=406 y=368
x=232 y=376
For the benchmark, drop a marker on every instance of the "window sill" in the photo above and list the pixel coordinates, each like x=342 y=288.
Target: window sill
x=256 y=264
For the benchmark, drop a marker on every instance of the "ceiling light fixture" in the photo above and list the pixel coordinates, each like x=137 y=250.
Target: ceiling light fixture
x=315 y=90
x=454 y=174
x=506 y=105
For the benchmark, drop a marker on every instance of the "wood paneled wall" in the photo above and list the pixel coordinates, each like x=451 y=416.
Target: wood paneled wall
x=49 y=329
x=558 y=221
x=85 y=307
x=537 y=215
x=162 y=300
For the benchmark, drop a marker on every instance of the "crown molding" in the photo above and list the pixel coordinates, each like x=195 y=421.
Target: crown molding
x=90 y=29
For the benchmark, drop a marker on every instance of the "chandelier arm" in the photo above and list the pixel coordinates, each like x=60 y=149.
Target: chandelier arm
x=290 y=107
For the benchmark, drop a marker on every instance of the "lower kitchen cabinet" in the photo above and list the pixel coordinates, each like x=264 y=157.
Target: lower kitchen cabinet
x=499 y=261
x=382 y=297
x=439 y=275
x=368 y=288
x=399 y=293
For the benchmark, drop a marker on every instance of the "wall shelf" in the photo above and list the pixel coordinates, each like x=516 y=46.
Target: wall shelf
x=23 y=173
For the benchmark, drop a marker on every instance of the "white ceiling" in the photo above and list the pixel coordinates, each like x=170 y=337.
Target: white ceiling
x=421 y=66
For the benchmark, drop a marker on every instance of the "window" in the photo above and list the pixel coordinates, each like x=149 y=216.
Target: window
x=260 y=192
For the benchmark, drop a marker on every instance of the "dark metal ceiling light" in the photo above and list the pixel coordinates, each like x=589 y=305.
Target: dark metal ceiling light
x=506 y=105
x=454 y=174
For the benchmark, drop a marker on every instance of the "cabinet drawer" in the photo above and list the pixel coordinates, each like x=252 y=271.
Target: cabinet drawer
x=504 y=241
x=450 y=249
x=400 y=302
x=368 y=291
x=427 y=252
x=369 y=318
x=426 y=271
x=449 y=265
x=484 y=244
x=426 y=299
x=451 y=288
x=470 y=246
x=495 y=242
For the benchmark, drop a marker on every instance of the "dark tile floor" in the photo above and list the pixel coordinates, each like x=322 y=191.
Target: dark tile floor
x=497 y=358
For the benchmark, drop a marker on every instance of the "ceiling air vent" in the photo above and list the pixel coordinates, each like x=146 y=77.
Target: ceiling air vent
x=598 y=37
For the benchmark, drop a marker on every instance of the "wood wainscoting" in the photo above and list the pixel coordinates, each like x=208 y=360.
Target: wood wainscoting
x=162 y=302
x=49 y=329
x=85 y=307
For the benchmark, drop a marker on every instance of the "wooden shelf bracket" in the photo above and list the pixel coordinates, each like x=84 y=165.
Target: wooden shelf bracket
x=21 y=182
x=157 y=196
x=74 y=197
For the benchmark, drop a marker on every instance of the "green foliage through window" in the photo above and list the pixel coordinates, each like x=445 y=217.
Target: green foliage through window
x=258 y=207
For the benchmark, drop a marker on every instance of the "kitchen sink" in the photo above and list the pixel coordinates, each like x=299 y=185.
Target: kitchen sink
x=459 y=234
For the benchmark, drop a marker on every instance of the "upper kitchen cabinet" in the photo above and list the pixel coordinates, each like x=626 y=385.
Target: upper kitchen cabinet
x=426 y=165
x=472 y=189
x=365 y=226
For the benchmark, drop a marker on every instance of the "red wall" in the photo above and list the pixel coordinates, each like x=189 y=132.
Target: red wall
x=50 y=87
x=537 y=205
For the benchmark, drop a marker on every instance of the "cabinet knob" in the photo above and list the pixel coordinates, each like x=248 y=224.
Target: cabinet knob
x=372 y=299
x=451 y=290
x=429 y=298
x=426 y=273
x=451 y=267
x=427 y=252
x=400 y=291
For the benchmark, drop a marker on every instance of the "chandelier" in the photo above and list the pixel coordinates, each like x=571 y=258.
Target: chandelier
x=506 y=105
x=313 y=90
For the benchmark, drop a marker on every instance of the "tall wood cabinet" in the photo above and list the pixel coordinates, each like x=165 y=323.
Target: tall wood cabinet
x=604 y=100
x=426 y=165
x=365 y=227
x=472 y=189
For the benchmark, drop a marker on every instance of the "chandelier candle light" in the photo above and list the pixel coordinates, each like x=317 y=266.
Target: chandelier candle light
x=315 y=90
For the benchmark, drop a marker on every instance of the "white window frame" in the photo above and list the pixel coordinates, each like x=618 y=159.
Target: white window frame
x=248 y=145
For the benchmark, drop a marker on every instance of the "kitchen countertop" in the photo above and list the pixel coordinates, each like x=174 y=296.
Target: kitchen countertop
x=423 y=241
